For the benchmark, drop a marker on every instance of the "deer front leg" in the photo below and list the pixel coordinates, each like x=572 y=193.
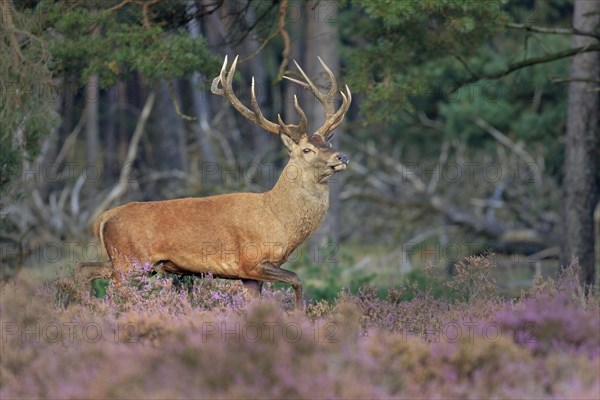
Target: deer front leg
x=272 y=273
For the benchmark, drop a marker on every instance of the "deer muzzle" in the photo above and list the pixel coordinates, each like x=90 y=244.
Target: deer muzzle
x=340 y=163
x=344 y=159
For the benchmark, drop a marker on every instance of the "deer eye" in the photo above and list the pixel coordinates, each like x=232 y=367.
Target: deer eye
x=306 y=150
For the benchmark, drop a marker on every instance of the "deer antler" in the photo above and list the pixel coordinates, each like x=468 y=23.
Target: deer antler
x=332 y=118
x=255 y=115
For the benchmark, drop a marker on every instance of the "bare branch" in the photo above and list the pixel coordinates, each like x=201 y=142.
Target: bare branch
x=442 y=159
x=573 y=79
x=176 y=104
x=401 y=169
x=436 y=202
x=286 y=42
x=118 y=6
x=70 y=140
x=121 y=186
x=75 y=194
x=515 y=148
x=430 y=123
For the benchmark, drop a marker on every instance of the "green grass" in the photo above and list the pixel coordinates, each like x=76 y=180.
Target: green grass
x=358 y=264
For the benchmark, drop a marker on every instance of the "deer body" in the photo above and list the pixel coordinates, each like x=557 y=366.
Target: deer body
x=226 y=235
x=242 y=235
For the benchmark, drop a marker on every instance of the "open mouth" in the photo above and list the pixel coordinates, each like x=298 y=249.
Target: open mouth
x=332 y=170
x=339 y=167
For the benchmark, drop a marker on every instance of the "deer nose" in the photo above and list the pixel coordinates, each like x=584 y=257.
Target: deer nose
x=343 y=158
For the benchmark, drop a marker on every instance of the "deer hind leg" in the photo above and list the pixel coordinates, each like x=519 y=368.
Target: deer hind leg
x=86 y=272
x=272 y=273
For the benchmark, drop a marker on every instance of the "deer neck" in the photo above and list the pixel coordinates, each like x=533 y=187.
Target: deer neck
x=298 y=202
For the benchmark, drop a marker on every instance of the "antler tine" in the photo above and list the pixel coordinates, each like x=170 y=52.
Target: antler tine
x=231 y=73
x=287 y=129
x=303 y=120
x=215 y=83
x=336 y=119
x=308 y=83
x=332 y=118
x=334 y=86
x=294 y=131
x=226 y=80
x=262 y=121
x=296 y=81
x=339 y=115
x=326 y=100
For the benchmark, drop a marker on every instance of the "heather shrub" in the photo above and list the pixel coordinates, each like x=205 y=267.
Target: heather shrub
x=421 y=313
x=65 y=292
x=33 y=321
x=469 y=367
x=427 y=280
x=555 y=316
x=546 y=323
x=419 y=306
x=473 y=280
x=142 y=289
x=318 y=308
x=152 y=337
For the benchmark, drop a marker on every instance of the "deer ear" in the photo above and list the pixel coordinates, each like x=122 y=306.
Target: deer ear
x=329 y=136
x=287 y=141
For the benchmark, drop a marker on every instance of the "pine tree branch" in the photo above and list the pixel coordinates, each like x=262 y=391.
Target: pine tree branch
x=528 y=63
x=554 y=31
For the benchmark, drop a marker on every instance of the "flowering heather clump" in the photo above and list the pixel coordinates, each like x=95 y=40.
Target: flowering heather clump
x=144 y=290
x=557 y=316
x=152 y=337
x=473 y=280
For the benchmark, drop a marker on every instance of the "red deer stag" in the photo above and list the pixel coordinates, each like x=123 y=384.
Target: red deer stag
x=243 y=236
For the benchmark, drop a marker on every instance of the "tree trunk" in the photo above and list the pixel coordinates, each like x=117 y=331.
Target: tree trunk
x=263 y=141
x=580 y=184
x=322 y=41
x=109 y=136
x=201 y=106
x=92 y=121
x=92 y=100
x=121 y=103
x=171 y=152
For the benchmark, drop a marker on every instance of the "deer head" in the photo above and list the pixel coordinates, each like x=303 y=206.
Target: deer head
x=311 y=153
